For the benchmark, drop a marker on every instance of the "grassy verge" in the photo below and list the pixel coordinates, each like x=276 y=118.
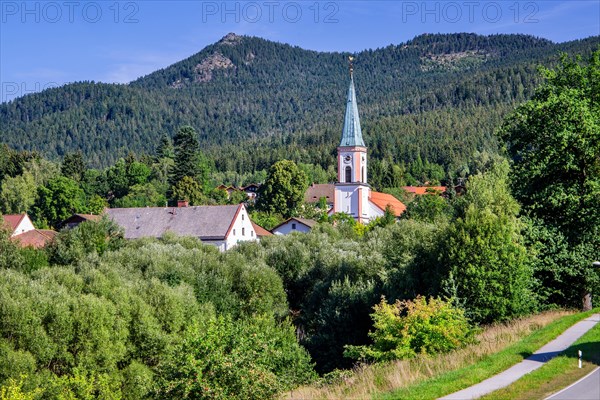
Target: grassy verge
x=488 y=366
x=429 y=377
x=556 y=374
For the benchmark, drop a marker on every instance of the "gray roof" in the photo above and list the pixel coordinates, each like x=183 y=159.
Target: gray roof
x=304 y=221
x=317 y=190
x=203 y=222
x=351 y=134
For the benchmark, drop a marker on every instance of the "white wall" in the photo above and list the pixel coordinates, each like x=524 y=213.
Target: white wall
x=288 y=228
x=346 y=201
x=24 y=226
x=242 y=230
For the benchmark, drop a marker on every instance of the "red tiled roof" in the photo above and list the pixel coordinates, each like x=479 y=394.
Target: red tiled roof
x=13 y=220
x=260 y=231
x=382 y=200
x=425 y=189
x=36 y=238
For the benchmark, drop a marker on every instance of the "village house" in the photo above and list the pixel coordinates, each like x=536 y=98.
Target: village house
x=24 y=233
x=77 y=219
x=294 y=224
x=220 y=226
x=251 y=190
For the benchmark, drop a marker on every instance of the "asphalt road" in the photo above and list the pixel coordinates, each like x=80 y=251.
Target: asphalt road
x=587 y=388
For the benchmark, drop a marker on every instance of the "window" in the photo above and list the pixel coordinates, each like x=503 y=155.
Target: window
x=252 y=233
x=242 y=217
x=348 y=175
x=293 y=226
x=234 y=232
x=243 y=231
x=362 y=174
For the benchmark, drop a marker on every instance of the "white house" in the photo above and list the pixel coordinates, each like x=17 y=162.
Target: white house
x=302 y=225
x=221 y=226
x=18 y=223
x=24 y=233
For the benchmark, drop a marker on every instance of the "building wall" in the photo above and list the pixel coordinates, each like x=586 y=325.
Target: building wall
x=375 y=211
x=24 y=226
x=353 y=200
x=241 y=231
x=290 y=227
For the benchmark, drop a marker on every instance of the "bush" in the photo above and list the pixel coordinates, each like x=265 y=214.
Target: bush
x=408 y=328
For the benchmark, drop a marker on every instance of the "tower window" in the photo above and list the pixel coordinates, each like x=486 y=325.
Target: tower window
x=362 y=171
x=348 y=175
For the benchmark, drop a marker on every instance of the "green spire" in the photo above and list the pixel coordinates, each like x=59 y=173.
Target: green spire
x=351 y=134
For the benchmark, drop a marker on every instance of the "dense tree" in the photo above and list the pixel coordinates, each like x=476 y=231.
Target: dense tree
x=554 y=143
x=189 y=190
x=188 y=160
x=18 y=194
x=486 y=260
x=73 y=166
x=283 y=190
x=58 y=200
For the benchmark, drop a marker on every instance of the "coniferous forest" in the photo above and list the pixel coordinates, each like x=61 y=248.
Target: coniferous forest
x=93 y=315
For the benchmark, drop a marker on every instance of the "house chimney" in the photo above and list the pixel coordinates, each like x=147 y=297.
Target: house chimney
x=182 y=203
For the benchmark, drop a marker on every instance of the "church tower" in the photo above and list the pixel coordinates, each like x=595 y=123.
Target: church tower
x=351 y=190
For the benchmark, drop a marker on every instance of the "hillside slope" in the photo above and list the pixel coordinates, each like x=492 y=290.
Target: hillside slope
x=439 y=97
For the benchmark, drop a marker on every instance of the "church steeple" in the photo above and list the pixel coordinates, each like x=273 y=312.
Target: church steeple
x=352 y=191
x=351 y=134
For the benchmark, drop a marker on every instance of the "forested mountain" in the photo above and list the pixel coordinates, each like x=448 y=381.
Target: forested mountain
x=437 y=98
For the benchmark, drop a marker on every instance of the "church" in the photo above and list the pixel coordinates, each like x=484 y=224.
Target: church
x=352 y=194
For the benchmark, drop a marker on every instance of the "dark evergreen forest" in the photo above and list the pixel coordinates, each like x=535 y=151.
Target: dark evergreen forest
x=437 y=98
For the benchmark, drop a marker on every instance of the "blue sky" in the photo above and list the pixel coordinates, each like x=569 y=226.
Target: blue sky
x=49 y=43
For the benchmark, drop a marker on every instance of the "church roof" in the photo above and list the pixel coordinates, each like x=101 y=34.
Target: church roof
x=382 y=200
x=351 y=134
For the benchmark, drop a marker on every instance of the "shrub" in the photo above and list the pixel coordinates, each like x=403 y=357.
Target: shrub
x=408 y=328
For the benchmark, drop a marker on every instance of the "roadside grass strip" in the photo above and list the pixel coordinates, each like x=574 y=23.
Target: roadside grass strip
x=487 y=365
x=433 y=376
x=557 y=373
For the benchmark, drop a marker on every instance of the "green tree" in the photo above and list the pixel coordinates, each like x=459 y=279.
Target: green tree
x=10 y=257
x=428 y=207
x=419 y=326
x=554 y=143
x=188 y=158
x=18 y=194
x=283 y=190
x=487 y=263
x=58 y=200
x=227 y=359
x=145 y=195
x=73 y=166
x=164 y=149
x=188 y=189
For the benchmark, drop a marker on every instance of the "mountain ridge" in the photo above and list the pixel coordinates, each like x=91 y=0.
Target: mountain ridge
x=248 y=92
